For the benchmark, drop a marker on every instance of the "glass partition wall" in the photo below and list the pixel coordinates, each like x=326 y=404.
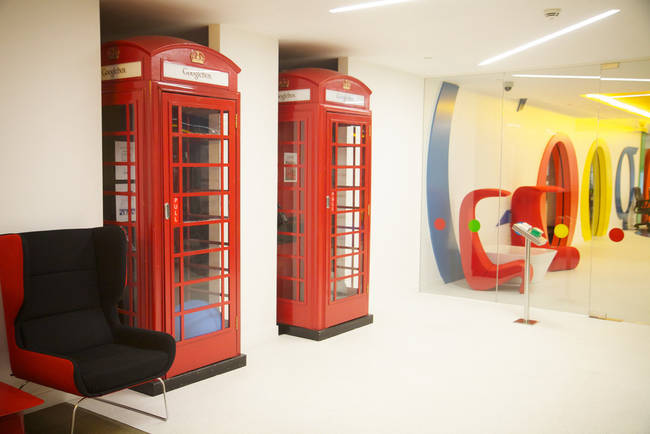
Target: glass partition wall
x=562 y=149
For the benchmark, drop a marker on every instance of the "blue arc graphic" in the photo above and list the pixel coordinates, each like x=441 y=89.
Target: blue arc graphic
x=443 y=242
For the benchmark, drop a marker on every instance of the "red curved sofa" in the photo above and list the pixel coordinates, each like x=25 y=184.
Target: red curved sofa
x=481 y=273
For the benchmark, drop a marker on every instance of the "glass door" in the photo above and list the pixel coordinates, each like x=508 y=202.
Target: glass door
x=349 y=211
x=199 y=215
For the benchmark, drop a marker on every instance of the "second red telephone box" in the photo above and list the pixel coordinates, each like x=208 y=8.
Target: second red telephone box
x=171 y=180
x=324 y=150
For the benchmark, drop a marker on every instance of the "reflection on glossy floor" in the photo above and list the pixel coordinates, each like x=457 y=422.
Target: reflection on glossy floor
x=429 y=364
x=612 y=281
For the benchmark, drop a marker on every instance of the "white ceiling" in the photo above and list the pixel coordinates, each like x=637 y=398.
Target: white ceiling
x=455 y=34
x=566 y=95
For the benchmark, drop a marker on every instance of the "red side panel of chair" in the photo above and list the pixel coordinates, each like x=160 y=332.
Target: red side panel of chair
x=40 y=368
x=567 y=258
x=527 y=207
x=480 y=272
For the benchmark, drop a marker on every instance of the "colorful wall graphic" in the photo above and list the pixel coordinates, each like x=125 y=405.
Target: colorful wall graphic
x=443 y=239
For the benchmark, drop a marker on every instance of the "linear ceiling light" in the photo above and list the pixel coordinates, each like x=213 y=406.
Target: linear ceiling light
x=623 y=79
x=547 y=38
x=638 y=95
x=366 y=5
x=584 y=77
x=616 y=103
x=587 y=77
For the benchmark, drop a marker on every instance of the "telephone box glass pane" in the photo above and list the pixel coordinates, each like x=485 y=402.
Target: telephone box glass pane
x=177 y=270
x=200 y=150
x=177 y=299
x=202 y=237
x=347 y=265
x=202 y=266
x=175 y=119
x=348 y=156
x=350 y=134
x=114 y=118
x=347 y=222
x=349 y=199
x=202 y=322
x=342 y=178
x=201 y=179
x=288 y=267
x=290 y=245
x=114 y=149
x=177 y=328
x=201 y=121
x=345 y=288
x=202 y=294
x=201 y=208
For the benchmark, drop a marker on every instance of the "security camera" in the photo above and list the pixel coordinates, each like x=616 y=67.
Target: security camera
x=507 y=85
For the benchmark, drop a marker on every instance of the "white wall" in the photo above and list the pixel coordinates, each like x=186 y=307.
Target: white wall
x=396 y=104
x=50 y=169
x=257 y=56
x=50 y=121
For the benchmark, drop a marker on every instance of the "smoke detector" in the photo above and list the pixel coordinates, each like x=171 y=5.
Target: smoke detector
x=552 y=13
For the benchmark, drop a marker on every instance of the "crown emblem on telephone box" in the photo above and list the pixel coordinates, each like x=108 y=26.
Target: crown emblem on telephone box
x=113 y=53
x=197 y=56
x=347 y=84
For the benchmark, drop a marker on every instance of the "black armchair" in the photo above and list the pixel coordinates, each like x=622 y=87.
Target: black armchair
x=60 y=291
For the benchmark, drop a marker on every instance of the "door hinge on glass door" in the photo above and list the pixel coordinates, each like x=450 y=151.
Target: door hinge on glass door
x=236 y=120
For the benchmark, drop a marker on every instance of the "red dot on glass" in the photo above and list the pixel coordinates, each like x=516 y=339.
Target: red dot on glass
x=439 y=224
x=616 y=235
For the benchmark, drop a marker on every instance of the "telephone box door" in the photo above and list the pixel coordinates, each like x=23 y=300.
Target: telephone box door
x=202 y=300
x=348 y=182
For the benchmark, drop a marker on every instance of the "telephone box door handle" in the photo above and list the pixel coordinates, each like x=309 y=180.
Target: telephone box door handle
x=167 y=213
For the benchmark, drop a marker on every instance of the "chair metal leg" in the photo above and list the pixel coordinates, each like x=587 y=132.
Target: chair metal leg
x=163 y=418
x=162 y=383
x=74 y=414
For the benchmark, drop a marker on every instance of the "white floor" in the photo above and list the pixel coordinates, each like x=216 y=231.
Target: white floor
x=612 y=281
x=429 y=364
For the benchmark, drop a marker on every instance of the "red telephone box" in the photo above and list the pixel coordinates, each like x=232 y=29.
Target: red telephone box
x=324 y=145
x=171 y=180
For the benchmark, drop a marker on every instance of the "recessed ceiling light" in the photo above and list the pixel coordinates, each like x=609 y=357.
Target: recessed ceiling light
x=612 y=101
x=547 y=38
x=367 y=5
x=584 y=77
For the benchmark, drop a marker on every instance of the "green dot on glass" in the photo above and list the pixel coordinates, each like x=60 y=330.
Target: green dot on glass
x=474 y=225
